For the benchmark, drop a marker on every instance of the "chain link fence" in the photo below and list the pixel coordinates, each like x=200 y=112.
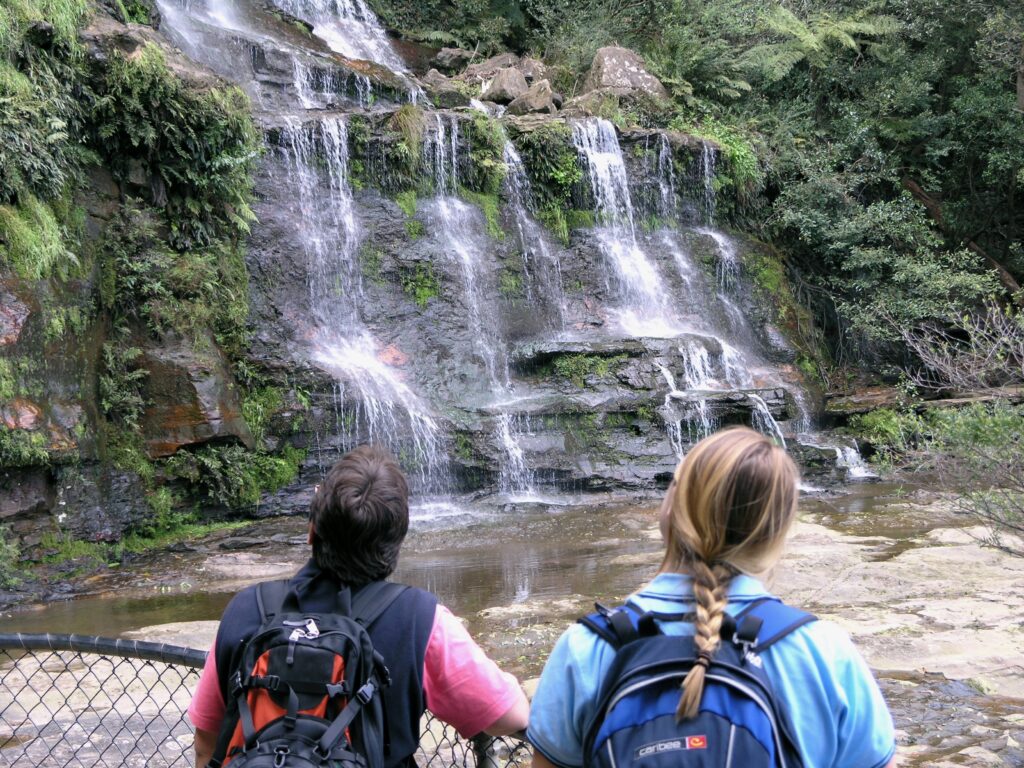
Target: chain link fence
x=68 y=701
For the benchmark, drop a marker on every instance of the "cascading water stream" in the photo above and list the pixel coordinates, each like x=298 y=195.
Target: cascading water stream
x=707 y=179
x=459 y=225
x=457 y=221
x=644 y=307
x=385 y=408
x=728 y=265
x=349 y=27
x=763 y=421
x=539 y=261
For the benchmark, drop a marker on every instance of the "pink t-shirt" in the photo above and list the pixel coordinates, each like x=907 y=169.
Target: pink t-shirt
x=463 y=686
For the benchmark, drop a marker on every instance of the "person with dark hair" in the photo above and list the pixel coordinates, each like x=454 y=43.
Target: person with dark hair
x=359 y=518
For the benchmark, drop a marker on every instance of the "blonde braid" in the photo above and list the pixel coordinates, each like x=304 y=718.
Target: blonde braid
x=710 y=590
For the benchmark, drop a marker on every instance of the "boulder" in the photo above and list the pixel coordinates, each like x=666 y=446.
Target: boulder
x=507 y=85
x=452 y=59
x=25 y=492
x=444 y=91
x=21 y=414
x=485 y=70
x=192 y=399
x=538 y=98
x=13 y=314
x=623 y=71
x=533 y=70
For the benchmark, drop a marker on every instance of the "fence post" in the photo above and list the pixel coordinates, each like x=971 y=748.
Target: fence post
x=485 y=751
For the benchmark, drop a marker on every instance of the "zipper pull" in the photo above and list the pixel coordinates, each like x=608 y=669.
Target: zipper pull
x=312 y=630
x=293 y=638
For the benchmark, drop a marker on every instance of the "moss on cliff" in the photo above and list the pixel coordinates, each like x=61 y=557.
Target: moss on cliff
x=553 y=168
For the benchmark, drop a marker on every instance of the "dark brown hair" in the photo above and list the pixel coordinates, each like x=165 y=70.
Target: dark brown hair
x=360 y=515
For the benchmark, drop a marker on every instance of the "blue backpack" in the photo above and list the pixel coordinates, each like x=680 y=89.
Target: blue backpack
x=740 y=723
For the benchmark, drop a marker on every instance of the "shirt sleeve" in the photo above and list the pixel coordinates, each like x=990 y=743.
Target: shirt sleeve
x=836 y=710
x=207 y=708
x=462 y=685
x=567 y=694
x=866 y=736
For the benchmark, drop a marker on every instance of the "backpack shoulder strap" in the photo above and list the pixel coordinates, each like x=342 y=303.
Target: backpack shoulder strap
x=270 y=598
x=777 y=620
x=374 y=599
x=618 y=626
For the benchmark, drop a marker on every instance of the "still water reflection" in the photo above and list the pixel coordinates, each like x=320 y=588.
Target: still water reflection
x=505 y=559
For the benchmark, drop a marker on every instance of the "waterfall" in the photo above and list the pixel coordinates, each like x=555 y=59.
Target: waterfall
x=728 y=267
x=515 y=477
x=667 y=203
x=540 y=263
x=707 y=177
x=458 y=224
x=459 y=228
x=329 y=236
x=349 y=27
x=644 y=310
x=386 y=409
x=763 y=421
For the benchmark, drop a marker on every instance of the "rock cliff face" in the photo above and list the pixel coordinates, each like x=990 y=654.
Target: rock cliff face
x=521 y=304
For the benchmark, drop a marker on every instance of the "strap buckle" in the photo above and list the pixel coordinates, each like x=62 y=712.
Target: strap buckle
x=237 y=685
x=337 y=689
x=746 y=634
x=365 y=694
x=270 y=682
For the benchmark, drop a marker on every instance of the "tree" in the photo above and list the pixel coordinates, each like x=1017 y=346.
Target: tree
x=814 y=41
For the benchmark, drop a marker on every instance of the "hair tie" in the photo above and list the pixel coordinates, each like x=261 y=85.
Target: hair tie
x=704 y=659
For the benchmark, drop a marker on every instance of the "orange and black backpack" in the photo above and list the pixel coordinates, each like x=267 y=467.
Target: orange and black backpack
x=305 y=689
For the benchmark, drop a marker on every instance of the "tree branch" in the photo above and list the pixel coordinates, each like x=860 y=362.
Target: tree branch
x=935 y=210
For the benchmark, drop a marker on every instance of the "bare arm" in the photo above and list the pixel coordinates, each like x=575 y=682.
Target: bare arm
x=539 y=761
x=205 y=743
x=515 y=719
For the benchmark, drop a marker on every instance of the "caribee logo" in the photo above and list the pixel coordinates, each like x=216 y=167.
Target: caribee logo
x=671 y=745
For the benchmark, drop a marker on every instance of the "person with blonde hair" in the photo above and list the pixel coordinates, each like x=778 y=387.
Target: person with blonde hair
x=724 y=521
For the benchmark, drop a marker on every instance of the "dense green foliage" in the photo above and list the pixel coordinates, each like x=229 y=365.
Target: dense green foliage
x=553 y=166
x=196 y=145
x=9 y=556
x=977 y=453
x=40 y=116
x=231 y=475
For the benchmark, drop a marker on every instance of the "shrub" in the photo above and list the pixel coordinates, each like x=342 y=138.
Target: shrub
x=552 y=165
x=421 y=284
x=978 y=452
x=21 y=448
x=32 y=241
x=199 y=144
x=10 y=554
x=120 y=384
x=231 y=475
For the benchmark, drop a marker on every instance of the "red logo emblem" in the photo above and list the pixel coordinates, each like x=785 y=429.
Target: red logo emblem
x=696 y=742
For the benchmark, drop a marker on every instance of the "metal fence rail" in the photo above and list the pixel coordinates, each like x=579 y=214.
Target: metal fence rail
x=91 y=702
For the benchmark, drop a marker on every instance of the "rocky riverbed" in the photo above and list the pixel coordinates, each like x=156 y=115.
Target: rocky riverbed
x=936 y=615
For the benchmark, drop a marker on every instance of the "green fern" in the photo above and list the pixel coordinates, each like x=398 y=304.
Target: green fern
x=812 y=41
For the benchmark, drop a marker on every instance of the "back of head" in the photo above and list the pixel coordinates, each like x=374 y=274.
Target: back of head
x=729 y=509
x=733 y=500
x=360 y=516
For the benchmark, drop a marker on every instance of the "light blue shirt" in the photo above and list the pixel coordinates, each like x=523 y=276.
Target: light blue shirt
x=838 y=715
